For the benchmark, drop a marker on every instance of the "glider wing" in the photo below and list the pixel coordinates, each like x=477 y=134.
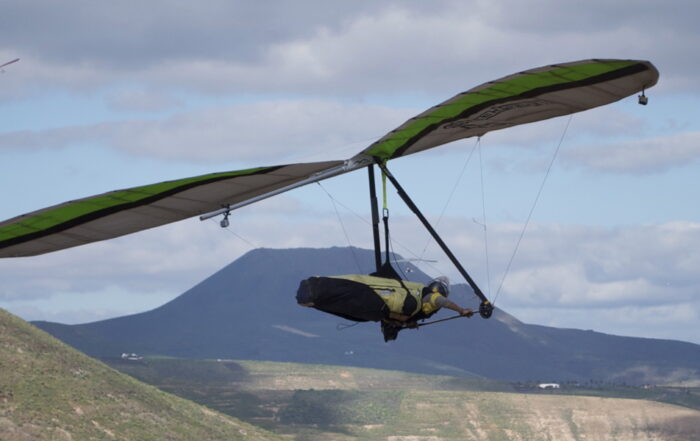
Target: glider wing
x=524 y=97
x=9 y=62
x=126 y=211
x=528 y=96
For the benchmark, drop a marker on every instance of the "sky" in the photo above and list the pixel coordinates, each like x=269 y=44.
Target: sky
x=110 y=95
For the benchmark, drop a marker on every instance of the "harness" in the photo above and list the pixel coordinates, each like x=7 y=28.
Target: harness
x=430 y=307
x=400 y=296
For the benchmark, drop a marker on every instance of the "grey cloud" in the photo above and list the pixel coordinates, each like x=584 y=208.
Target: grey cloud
x=651 y=155
x=591 y=16
x=67 y=316
x=606 y=267
x=142 y=100
x=568 y=266
x=268 y=132
x=601 y=123
x=569 y=272
x=123 y=35
x=347 y=49
x=673 y=321
x=149 y=262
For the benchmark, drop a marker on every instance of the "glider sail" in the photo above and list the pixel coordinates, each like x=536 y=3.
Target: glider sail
x=528 y=96
x=127 y=211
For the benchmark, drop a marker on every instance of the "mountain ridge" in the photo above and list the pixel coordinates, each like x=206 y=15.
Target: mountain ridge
x=247 y=310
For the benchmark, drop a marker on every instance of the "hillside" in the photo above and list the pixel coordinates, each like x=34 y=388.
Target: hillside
x=315 y=402
x=51 y=391
x=247 y=311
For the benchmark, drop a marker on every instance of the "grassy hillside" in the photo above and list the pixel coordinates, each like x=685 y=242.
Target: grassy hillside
x=49 y=391
x=313 y=402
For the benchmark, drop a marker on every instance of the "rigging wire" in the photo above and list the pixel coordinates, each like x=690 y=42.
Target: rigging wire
x=396 y=263
x=250 y=244
x=484 y=225
x=532 y=208
x=344 y=326
x=332 y=151
x=389 y=238
x=367 y=222
x=452 y=192
x=342 y=225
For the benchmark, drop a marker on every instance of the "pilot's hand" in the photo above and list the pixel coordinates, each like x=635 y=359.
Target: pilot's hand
x=466 y=312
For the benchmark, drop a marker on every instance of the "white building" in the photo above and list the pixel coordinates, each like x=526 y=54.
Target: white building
x=132 y=356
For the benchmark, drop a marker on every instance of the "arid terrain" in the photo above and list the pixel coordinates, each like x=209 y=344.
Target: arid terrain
x=313 y=402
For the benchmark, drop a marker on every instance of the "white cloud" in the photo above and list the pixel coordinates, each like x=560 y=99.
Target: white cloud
x=269 y=132
x=305 y=78
x=676 y=321
x=565 y=272
x=397 y=47
x=601 y=267
x=648 y=155
x=356 y=48
x=142 y=100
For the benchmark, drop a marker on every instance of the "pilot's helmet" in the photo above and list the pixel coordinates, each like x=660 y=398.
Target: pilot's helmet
x=441 y=285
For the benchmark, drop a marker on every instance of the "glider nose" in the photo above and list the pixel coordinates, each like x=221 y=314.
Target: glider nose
x=304 y=294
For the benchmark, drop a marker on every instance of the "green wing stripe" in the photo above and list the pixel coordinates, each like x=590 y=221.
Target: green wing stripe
x=517 y=87
x=62 y=217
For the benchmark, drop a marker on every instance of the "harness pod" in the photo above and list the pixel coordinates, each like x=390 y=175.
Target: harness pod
x=361 y=298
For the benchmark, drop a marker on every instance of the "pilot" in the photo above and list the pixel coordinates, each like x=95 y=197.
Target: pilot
x=434 y=297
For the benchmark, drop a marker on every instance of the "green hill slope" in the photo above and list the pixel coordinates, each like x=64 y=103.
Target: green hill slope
x=53 y=392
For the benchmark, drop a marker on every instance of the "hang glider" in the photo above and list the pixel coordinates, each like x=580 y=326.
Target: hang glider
x=7 y=64
x=524 y=97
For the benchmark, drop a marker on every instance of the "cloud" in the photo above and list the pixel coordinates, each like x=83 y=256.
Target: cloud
x=567 y=272
x=268 y=132
x=278 y=131
x=648 y=155
x=603 y=267
x=676 y=321
x=129 y=33
x=448 y=47
x=597 y=124
x=306 y=80
x=142 y=100
x=573 y=267
x=355 y=48
x=170 y=258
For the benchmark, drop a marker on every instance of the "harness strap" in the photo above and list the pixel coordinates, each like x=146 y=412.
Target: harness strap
x=385 y=218
x=385 y=206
